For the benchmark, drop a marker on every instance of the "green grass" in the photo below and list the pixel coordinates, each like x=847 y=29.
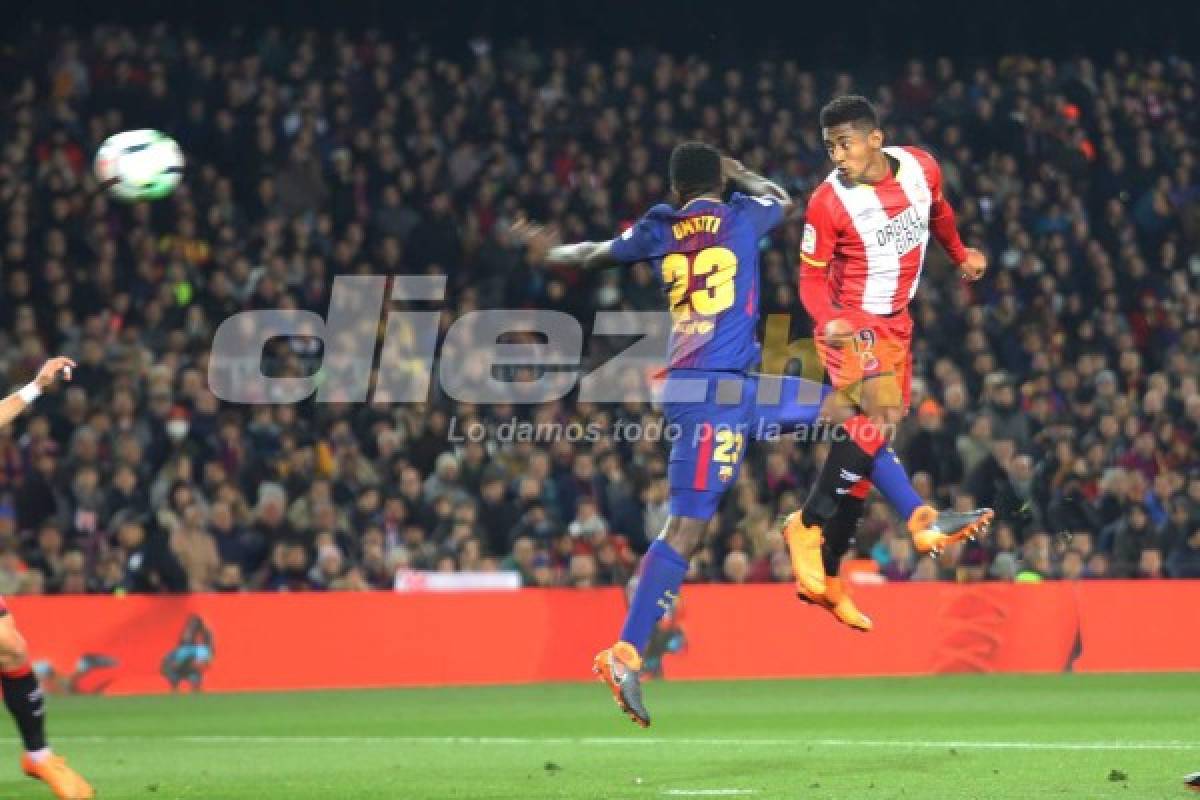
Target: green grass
x=955 y=737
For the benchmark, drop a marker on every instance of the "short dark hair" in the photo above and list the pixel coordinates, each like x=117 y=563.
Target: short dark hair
x=696 y=169
x=850 y=108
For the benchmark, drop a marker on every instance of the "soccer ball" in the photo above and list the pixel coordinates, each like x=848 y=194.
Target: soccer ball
x=139 y=165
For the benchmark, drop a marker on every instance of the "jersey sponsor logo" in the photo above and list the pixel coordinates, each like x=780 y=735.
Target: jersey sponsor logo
x=808 y=244
x=905 y=231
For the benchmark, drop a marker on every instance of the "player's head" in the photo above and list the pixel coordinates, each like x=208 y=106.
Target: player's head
x=695 y=171
x=853 y=139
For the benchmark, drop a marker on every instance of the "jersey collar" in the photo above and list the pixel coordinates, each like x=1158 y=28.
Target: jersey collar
x=894 y=174
x=702 y=198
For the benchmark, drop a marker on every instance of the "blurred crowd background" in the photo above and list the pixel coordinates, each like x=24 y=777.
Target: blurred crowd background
x=1062 y=389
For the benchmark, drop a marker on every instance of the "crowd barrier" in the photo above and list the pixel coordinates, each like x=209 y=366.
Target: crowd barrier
x=134 y=645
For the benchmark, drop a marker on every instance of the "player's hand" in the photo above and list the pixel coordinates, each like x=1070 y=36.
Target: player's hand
x=537 y=238
x=51 y=368
x=975 y=265
x=731 y=167
x=836 y=333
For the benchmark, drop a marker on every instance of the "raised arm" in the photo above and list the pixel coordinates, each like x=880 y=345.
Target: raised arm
x=752 y=183
x=12 y=406
x=944 y=227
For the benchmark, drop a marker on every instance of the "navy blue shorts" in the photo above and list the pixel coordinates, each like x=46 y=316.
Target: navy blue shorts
x=712 y=415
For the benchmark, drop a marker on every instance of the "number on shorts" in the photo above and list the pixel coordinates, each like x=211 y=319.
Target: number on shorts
x=729 y=446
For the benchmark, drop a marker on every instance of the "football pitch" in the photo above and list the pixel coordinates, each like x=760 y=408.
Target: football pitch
x=986 y=737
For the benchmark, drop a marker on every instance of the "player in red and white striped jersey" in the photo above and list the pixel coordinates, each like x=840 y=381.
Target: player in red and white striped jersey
x=866 y=231
x=867 y=240
x=19 y=685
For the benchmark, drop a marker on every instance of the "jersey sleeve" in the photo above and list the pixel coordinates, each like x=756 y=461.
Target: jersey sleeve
x=640 y=242
x=763 y=212
x=942 y=222
x=820 y=229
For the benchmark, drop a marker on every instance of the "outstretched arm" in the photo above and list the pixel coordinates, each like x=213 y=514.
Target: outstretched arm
x=12 y=406
x=543 y=245
x=588 y=255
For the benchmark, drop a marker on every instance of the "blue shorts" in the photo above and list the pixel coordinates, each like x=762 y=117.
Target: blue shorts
x=712 y=415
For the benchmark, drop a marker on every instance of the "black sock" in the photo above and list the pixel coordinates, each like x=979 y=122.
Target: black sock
x=839 y=530
x=23 y=696
x=846 y=465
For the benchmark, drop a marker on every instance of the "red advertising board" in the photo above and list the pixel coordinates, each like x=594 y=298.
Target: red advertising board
x=129 y=645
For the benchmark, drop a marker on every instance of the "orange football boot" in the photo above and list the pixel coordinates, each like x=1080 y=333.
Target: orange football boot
x=838 y=601
x=66 y=783
x=933 y=531
x=804 y=547
x=619 y=667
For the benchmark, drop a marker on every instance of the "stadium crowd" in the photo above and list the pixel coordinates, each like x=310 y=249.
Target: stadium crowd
x=1062 y=389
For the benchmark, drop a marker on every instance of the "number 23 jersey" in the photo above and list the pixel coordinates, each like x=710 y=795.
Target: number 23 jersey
x=706 y=257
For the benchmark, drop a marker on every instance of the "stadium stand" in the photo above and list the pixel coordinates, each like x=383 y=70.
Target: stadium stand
x=1062 y=389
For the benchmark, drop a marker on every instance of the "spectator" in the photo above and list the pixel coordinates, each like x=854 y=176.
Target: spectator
x=196 y=551
x=736 y=568
x=1131 y=537
x=1184 y=559
x=498 y=515
x=988 y=481
x=328 y=569
x=582 y=571
x=150 y=567
x=521 y=560
x=229 y=579
x=931 y=450
x=444 y=481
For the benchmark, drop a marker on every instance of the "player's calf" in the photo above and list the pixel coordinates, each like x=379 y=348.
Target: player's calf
x=662 y=572
x=25 y=702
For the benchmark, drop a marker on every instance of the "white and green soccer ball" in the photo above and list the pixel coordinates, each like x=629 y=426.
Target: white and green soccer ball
x=139 y=165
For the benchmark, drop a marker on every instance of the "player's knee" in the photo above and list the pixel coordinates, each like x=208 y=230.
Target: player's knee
x=837 y=408
x=885 y=415
x=13 y=651
x=892 y=416
x=684 y=535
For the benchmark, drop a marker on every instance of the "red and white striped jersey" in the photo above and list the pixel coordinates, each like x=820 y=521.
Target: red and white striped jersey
x=871 y=238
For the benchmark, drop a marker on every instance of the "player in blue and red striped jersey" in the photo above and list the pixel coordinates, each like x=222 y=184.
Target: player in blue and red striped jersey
x=705 y=252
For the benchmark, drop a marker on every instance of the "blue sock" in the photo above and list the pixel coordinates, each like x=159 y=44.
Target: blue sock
x=662 y=574
x=891 y=479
